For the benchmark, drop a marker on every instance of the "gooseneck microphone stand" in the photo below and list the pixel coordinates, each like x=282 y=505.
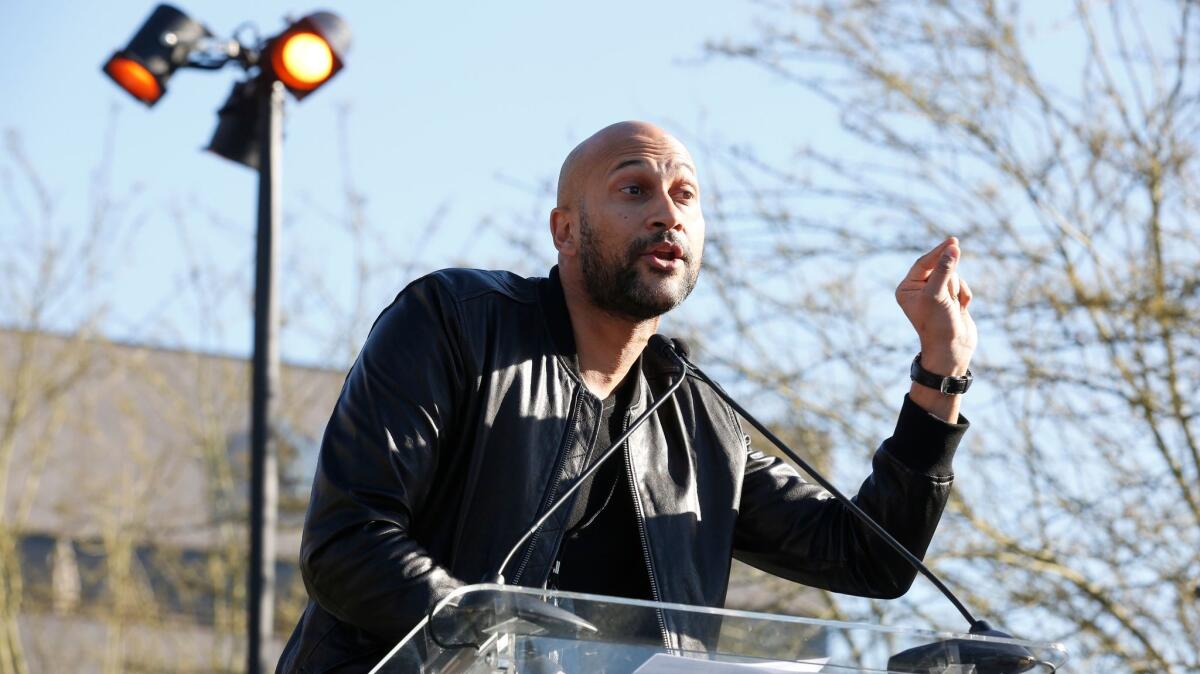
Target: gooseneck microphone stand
x=681 y=349
x=989 y=658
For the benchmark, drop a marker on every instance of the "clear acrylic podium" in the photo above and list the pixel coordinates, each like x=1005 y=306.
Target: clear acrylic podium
x=496 y=629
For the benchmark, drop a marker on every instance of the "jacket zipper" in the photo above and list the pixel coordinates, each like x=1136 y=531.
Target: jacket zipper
x=641 y=523
x=563 y=451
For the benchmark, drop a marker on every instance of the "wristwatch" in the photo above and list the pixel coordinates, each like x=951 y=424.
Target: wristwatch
x=947 y=385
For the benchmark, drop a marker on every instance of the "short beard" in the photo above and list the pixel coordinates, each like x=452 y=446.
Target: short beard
x=613 y=284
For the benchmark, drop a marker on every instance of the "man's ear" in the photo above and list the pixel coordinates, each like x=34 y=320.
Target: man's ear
x=564 y=230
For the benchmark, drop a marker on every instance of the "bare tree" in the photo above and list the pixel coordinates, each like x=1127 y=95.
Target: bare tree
x=126 y=455
x=52 y=277
x=1059 y=142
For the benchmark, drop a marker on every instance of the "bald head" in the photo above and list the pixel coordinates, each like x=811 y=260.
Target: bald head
x=628 y=225
x=608 y=144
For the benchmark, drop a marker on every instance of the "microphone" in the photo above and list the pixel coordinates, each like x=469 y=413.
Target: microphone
x=987 y=657
x=658 y=343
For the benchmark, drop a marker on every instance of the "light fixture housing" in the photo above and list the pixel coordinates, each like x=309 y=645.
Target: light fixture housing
x=303 y=57
x=308 y=53
x=239 y=125
x=159 y=48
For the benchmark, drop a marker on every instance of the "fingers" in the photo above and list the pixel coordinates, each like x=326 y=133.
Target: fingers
x=925 y=264
x=943 y=279
x=964 y=293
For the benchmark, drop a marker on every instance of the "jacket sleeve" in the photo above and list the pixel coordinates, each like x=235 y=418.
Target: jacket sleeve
x=797 y=530
x=377 y=460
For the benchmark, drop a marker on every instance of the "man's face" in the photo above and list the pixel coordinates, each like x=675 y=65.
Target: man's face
x=641 y=230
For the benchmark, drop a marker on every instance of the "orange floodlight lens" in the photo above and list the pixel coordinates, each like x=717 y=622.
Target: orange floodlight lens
x=303 y=61
x=134 y=78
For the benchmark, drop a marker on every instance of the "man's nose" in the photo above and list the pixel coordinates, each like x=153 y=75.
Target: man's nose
x=666 y=214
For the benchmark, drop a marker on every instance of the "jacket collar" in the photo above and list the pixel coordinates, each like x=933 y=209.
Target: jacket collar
x=558 y=320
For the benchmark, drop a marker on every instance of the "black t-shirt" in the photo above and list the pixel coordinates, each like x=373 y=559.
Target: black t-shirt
x=601 y=551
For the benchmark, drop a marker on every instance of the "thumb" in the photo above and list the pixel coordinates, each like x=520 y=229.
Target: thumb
x=940 y=276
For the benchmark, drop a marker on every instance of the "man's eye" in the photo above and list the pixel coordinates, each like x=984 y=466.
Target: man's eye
x=633 y=190
x=686 y=195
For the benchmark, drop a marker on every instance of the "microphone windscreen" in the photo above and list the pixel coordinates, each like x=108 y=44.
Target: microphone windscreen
x=662 y=345
x=682 y=348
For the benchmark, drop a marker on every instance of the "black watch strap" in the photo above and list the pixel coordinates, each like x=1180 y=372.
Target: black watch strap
x=946 y=385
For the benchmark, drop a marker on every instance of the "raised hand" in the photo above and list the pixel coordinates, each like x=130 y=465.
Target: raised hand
x=935 y=300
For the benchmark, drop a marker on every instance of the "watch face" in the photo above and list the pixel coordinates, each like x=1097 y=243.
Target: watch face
x=954 y=385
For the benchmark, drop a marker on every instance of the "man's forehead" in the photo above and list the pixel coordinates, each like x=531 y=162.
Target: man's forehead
x=666 y=163
x=661 y=152
x=616 y=147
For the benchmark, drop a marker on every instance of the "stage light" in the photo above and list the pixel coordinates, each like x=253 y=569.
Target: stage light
x=304 y=61
x=302 y=58
x=309 y=52
x=134 y=78
x=160 y=47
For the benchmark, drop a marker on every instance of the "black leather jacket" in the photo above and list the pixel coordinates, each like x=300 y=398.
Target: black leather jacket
x=465 y=414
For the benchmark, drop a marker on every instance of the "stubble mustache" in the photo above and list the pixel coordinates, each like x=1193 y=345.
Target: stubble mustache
x=642 y=245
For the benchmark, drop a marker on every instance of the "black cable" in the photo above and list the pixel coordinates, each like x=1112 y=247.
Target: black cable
x=828 y=486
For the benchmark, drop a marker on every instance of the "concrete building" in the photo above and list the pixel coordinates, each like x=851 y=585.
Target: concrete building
x=124 y=470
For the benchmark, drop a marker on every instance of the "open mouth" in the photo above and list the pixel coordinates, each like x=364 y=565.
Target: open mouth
x=665 y=255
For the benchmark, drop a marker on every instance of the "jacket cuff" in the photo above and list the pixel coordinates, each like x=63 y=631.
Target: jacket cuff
x=925 y=443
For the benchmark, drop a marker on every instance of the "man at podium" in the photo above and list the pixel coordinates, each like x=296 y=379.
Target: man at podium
x=480 y=396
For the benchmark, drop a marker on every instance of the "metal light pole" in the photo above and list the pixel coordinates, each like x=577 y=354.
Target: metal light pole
x=264 y=473
x=298 y=60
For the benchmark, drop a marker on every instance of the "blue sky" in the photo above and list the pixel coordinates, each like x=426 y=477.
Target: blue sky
x=456 y=110
x=457 y=113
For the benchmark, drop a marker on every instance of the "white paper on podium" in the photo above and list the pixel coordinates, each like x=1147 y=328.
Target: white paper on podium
x=662 y=663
